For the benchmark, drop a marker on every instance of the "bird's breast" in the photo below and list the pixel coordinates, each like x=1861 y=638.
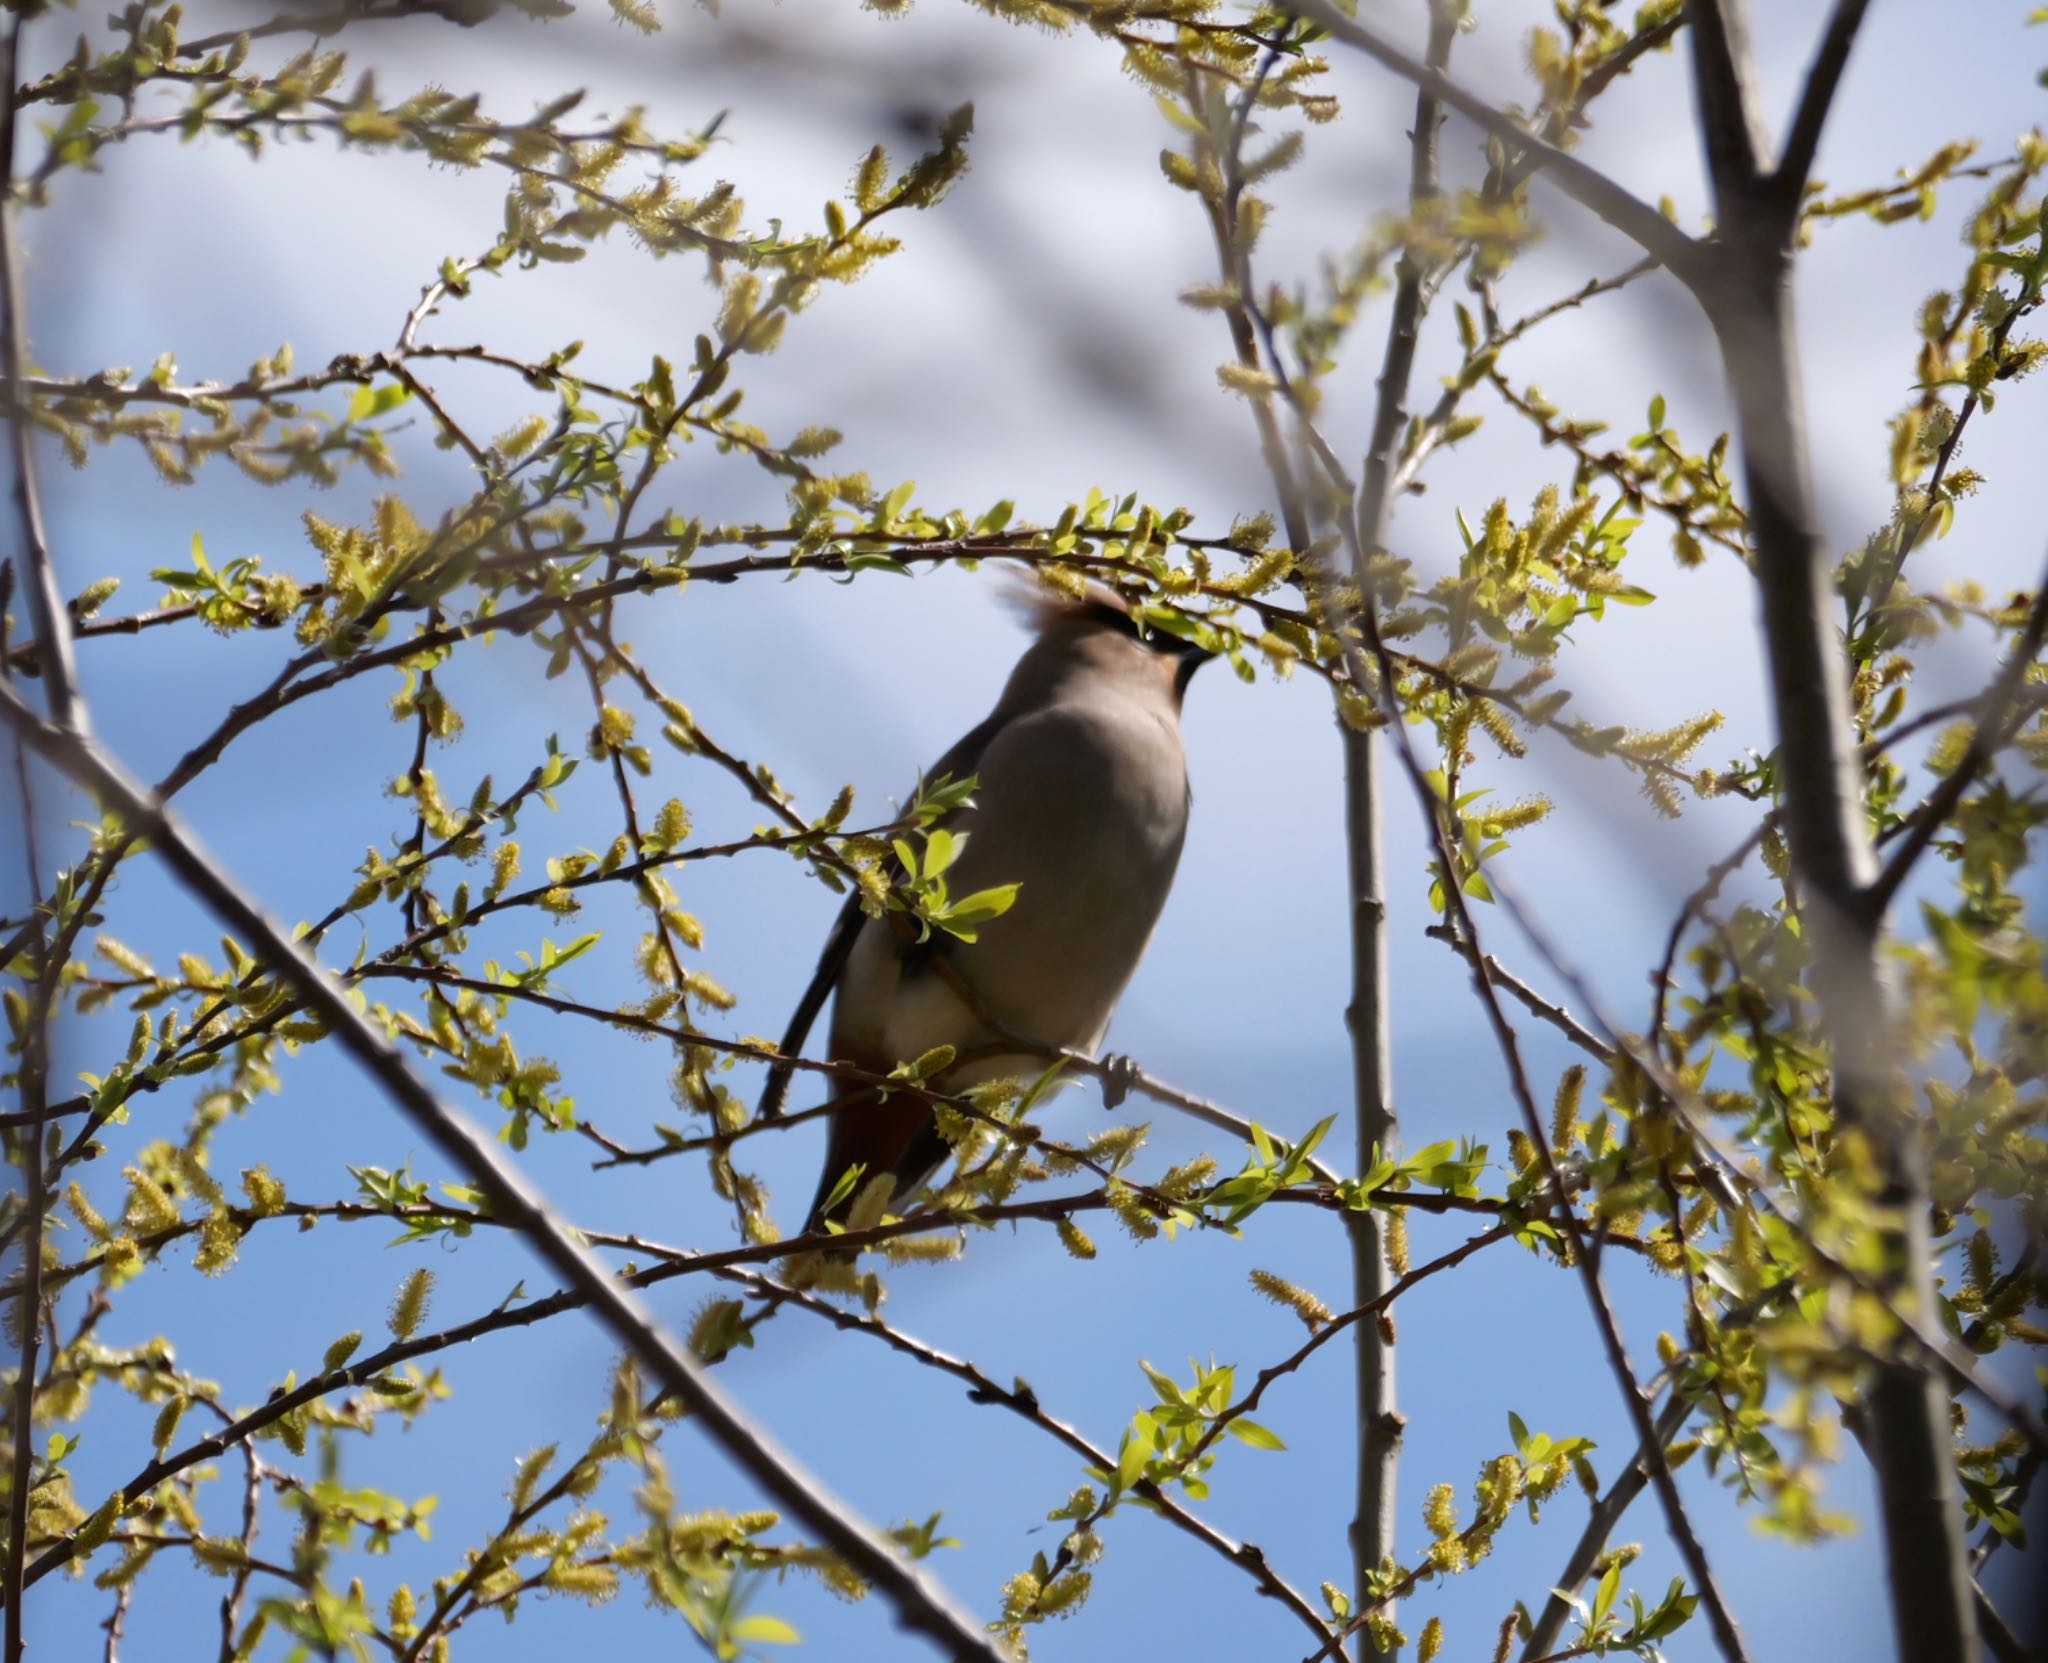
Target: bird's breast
x=1084 y=805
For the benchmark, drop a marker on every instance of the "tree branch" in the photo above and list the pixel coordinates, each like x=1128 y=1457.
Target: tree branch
x=68 y=713
x=675 y=1262
x=1679 y=254
x=1727 y=1637
x=1369 y=1017
x=1998 y=709
x=1724 y=82
x=1532 y=1001
x=919 y=1604
x=1607 y=1513
x=1802 y=142
x=1819 y=777
x=53 y=618
x=1020 y=1400
x=2003 y=1643
x=1355 y=1317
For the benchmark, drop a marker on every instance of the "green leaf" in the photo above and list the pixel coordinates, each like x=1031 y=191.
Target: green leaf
x=371 y=402
x=768 y=1631
x=876 y=563
x=941 y=849
x=975 y=909
x=845 y=1187
x=1136 y=1451
x=1251 y=1432
x=1603 y=1596
x=1307 y=1147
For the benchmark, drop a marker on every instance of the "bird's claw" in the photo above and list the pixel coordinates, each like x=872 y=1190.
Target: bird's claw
x=1119 y=1074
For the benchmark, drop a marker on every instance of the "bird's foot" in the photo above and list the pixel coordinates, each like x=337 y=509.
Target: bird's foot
x=1119 y=1074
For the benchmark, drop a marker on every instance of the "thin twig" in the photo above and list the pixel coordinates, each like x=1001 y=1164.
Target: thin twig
x=1998 y=712
x=1022 y=1401
x=673 y=1263
x=1532 y=1001
x=1585 y=184
x=1369 y=1017
x=1606 y=1514
x=1702 y=896
x=1325 y=1332
x=920 y=1605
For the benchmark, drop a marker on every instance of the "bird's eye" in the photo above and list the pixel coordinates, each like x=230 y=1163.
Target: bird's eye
x=1114 y=617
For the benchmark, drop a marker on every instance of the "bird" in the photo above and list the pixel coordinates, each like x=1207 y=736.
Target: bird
x=1081 y=798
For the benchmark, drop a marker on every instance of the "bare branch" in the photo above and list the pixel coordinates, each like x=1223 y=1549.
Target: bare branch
x=1725 y=83
x=1802 y=142
x=1727 y=1637
x=53 y=618
x=1532 y=1001
x=1369 y=1016
x=2003 y=1644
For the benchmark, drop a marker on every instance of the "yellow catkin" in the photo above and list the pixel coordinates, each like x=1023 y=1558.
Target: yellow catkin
x=409 y=1305
x=1300 y=1301
x=1397 y=1241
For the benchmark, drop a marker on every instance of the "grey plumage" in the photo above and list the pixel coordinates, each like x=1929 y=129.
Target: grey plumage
x=1083 y=800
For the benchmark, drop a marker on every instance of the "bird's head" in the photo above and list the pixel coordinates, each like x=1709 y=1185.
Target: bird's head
x=1098 y=628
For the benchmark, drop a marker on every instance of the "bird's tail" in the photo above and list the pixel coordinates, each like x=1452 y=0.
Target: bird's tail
x=871 y=1135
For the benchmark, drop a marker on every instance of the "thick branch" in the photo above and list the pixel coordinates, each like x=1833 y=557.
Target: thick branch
x=1822 y=81
x=1826 y=828
x=920 y=1605
x=1724 y=82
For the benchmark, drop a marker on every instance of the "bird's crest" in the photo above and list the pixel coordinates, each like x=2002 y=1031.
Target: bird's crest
x=1043 y=608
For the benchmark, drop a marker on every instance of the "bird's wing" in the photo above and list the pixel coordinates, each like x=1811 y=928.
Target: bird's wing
x=958 y=761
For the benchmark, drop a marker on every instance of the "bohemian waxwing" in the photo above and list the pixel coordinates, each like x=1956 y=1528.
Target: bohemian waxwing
x=1082 y=799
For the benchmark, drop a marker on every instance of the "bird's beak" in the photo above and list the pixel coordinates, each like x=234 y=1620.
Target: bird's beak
x=1188 y=657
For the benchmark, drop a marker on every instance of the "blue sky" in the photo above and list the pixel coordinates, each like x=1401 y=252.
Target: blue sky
x=1025 y=344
